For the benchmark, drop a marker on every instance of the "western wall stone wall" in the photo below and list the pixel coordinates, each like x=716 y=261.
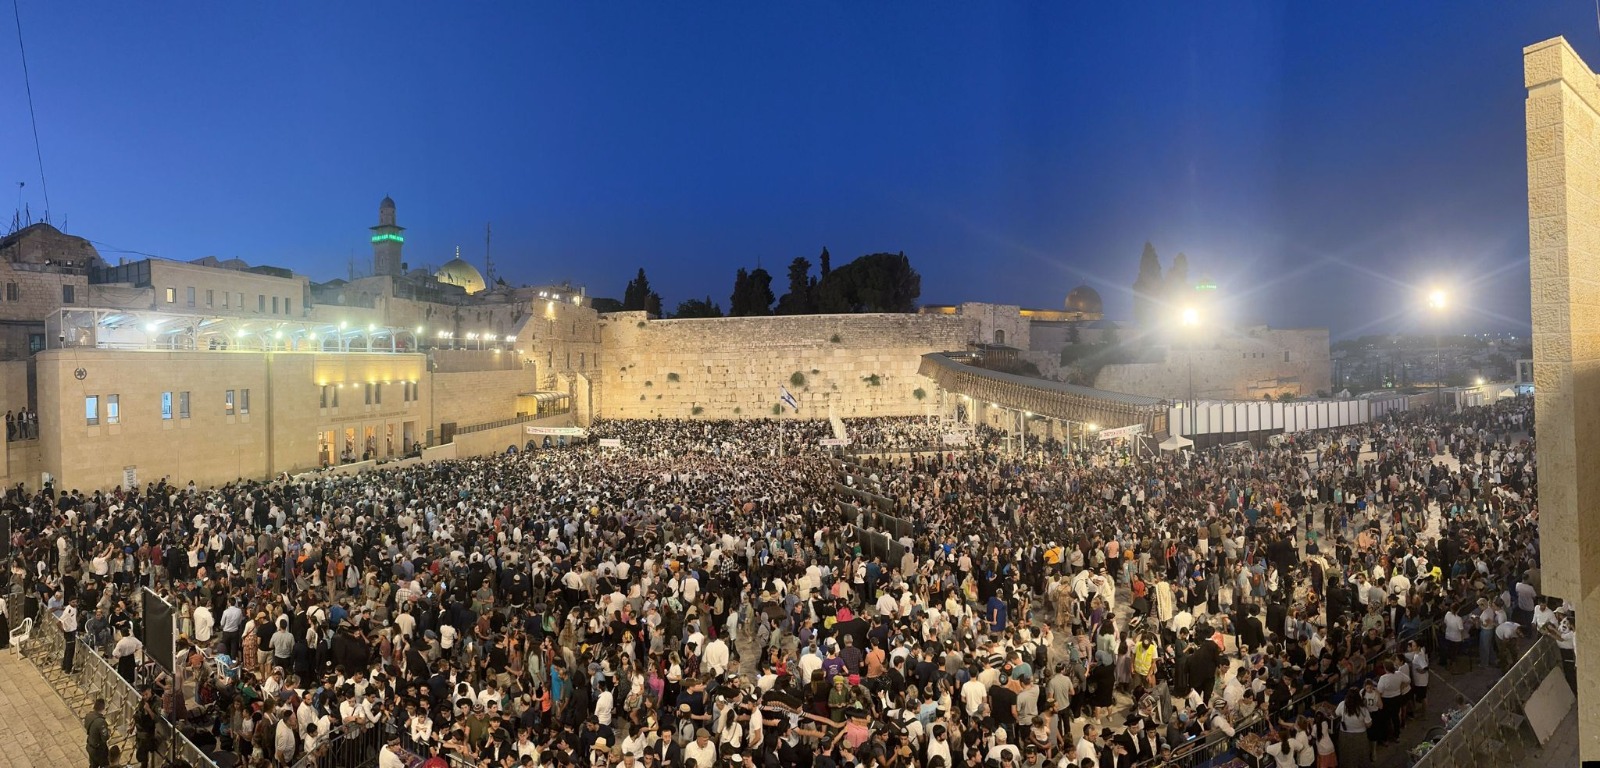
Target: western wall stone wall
x=860 y=365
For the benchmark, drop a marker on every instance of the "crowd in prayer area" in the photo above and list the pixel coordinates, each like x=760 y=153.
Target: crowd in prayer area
x=703 y=596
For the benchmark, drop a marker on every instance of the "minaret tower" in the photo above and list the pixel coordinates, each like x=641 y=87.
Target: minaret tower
x=386 y=242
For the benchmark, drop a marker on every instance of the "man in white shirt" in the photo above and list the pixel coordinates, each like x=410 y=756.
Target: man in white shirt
x=715 y=658
x=1086 y=744
x=204 y=624
x=603 y=704
x=69 y=630
x=938 y=745
x=973 y=694
x=1506 y=649
x=1001 y=749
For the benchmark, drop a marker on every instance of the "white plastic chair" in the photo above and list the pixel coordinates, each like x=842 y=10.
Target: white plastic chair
x=20 y=635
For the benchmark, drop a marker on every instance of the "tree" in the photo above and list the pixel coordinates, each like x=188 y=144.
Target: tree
x=1178 y=287
x=638 y=296
x=752 y=294
x=697 y=308
x=827 y=262
x=761 y=297
x=799 y=299
x=741 y=290
x=878 y=282
x=1147 y=288
x=604 y=305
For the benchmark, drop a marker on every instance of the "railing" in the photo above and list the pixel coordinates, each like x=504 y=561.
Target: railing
x=1499 y=709
x=488 y=425
x=347 y=748
x=95 y=678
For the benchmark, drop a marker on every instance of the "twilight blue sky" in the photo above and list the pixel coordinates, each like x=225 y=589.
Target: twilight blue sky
x=1321 y=160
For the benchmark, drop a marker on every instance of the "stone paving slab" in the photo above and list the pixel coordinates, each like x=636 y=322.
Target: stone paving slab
x=36 y=727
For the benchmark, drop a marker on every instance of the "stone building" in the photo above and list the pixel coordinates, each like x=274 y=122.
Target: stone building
x=213 y=370
x=1228 y=364
x=41 y=269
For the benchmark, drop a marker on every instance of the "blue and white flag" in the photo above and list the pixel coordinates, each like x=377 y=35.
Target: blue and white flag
x=783 y=394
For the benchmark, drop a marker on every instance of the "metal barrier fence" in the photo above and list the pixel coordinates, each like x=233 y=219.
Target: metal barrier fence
x=1483 y=733
x=94 y=678
x=347 y=748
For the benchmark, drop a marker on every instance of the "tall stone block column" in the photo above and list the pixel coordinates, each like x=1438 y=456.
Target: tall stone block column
x=1563 y=121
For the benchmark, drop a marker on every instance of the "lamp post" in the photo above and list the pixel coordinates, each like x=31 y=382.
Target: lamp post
x=1437 y=301
x=1189 y=318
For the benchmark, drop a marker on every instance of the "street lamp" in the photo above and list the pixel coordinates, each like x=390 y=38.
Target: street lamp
x=1189 y=318
x=1437 y=301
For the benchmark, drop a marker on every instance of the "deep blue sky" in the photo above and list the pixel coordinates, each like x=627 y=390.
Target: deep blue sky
x=1320 y=162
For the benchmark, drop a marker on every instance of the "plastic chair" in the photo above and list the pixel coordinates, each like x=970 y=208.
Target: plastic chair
x=20 y=635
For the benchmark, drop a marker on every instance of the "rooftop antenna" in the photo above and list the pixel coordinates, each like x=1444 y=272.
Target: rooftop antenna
x=488 y=256
x=32 y=117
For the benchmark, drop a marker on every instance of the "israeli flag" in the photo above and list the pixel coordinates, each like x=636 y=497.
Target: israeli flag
x=783 y=394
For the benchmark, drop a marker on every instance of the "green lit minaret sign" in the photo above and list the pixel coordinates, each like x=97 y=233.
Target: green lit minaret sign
x=386 y=242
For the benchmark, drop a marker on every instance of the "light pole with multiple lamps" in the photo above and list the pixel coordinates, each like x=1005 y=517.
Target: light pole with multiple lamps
x=1437 y=301
x=1189 y=319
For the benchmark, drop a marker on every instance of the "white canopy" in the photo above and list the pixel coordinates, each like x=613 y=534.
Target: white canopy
x=1176 y=442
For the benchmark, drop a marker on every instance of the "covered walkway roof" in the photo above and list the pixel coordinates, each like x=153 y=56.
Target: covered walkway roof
x=142 y=329
x=1051 y=399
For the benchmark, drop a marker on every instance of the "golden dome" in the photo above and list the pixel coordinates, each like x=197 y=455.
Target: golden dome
x=458 y=272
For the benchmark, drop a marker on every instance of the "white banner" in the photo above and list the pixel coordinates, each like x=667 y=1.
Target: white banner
x=954 y=438
x=1111 y=434
x=610 y=442
x=834 y=441
x=130 y=478
x=566 y=431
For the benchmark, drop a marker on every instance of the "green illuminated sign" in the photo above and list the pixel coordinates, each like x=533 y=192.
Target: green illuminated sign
x=381 y=238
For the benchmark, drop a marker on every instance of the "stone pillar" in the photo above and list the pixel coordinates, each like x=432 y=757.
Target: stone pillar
x=1563 y=122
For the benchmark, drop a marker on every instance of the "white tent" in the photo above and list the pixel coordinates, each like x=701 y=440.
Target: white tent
x=1176 y=442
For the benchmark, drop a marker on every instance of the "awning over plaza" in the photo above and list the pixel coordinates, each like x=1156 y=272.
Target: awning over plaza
x=1050 y=399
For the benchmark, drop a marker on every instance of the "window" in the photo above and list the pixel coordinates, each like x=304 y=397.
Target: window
x=238 y=300
x=287 y=309
x=369 y=393
x=35 y=342
x=91 y=410
x=244 y=402
x=582 y=356
x=12 y=292
x=113 y=409
x=211 y=297
x=166 y=406
x=189 y=295
x=274 y=305
x=172 y=295
x=224 y=299
x=183 y=405
x=261 y=303
x=377 y=394
x=69 y=294
x=228 y=403
x=1286 y=356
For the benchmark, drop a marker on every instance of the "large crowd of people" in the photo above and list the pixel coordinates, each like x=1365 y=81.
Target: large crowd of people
x=703 y=595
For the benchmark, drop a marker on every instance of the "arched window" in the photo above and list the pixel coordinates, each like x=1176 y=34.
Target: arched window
x=999 y=336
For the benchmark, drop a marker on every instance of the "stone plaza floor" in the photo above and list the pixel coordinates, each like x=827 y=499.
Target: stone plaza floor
x=37 y=729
